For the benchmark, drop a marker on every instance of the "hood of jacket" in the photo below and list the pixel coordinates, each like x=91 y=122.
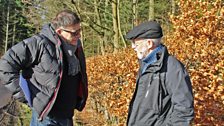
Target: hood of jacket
x=49 y=32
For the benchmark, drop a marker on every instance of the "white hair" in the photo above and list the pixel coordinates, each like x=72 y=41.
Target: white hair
x=156 y=41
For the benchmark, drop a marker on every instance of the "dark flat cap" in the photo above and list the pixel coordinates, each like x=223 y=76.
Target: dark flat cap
x=147 y=30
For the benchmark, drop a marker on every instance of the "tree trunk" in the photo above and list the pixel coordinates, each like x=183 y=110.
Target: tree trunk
x=98 y=20
x=115 y=25
x=119 y=25
x=14 y=33
x=173 y=6
x=151 y=10
x=105 y=31
x=7 y=29
x=134 y=11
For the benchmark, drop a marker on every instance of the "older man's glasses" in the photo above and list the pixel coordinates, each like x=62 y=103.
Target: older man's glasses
x=73 y=33
x=137 y=43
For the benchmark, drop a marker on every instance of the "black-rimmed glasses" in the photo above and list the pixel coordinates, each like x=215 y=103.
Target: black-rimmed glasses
x=74 y=33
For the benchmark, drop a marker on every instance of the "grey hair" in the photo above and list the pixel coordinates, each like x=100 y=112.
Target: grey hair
x=65 y=18
x=156 y=41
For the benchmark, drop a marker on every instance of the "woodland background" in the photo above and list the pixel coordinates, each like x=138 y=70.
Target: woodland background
x=193 y=32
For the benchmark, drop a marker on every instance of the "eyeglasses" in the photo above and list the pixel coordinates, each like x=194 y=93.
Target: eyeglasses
x=136 y=44
x=74 y=33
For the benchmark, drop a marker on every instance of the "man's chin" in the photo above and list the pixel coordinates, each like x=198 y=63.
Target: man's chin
x=140 y=57
x=74 y=42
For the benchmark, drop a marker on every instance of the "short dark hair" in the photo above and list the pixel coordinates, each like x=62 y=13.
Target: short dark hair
x=64 y=18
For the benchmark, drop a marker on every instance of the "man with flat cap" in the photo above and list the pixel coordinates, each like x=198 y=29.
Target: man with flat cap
x=163 y=94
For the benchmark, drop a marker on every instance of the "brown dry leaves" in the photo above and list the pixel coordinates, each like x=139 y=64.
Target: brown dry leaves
x=198 y=41
x=112 y=81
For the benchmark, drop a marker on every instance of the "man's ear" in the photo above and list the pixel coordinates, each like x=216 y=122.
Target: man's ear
x=150 y=44
x=58 y=31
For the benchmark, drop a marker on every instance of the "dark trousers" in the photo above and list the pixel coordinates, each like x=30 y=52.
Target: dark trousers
x=50 y=121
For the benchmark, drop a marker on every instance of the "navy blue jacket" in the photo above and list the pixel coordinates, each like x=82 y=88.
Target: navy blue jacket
x=163 y=95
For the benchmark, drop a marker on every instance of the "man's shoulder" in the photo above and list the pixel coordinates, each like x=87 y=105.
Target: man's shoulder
x=36 y=39
x=173 y=62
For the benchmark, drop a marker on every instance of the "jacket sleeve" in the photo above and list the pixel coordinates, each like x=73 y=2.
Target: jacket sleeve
x=181 y=97
x=19 y=57
x=5 y=96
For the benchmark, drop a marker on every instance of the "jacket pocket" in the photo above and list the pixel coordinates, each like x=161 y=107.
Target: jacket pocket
x=151 y=93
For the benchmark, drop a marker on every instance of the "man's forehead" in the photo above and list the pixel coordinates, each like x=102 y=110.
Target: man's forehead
x=138 y=39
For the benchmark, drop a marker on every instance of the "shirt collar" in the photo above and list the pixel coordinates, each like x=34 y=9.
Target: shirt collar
x=152 y=55
x=151 y=58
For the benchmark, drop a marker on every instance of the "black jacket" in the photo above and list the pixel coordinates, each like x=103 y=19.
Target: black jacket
x=39 y=58
x=163 y=95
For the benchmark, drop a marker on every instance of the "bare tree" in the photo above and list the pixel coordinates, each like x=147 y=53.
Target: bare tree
x=119 y=24
x=98 y=18
x=134 y=11
x=151 y=10
x=115 y=25
x=7 y=27
x=173 y=6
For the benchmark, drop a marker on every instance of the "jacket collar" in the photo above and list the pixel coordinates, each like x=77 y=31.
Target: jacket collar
x=161 y=55
x=151 y=58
